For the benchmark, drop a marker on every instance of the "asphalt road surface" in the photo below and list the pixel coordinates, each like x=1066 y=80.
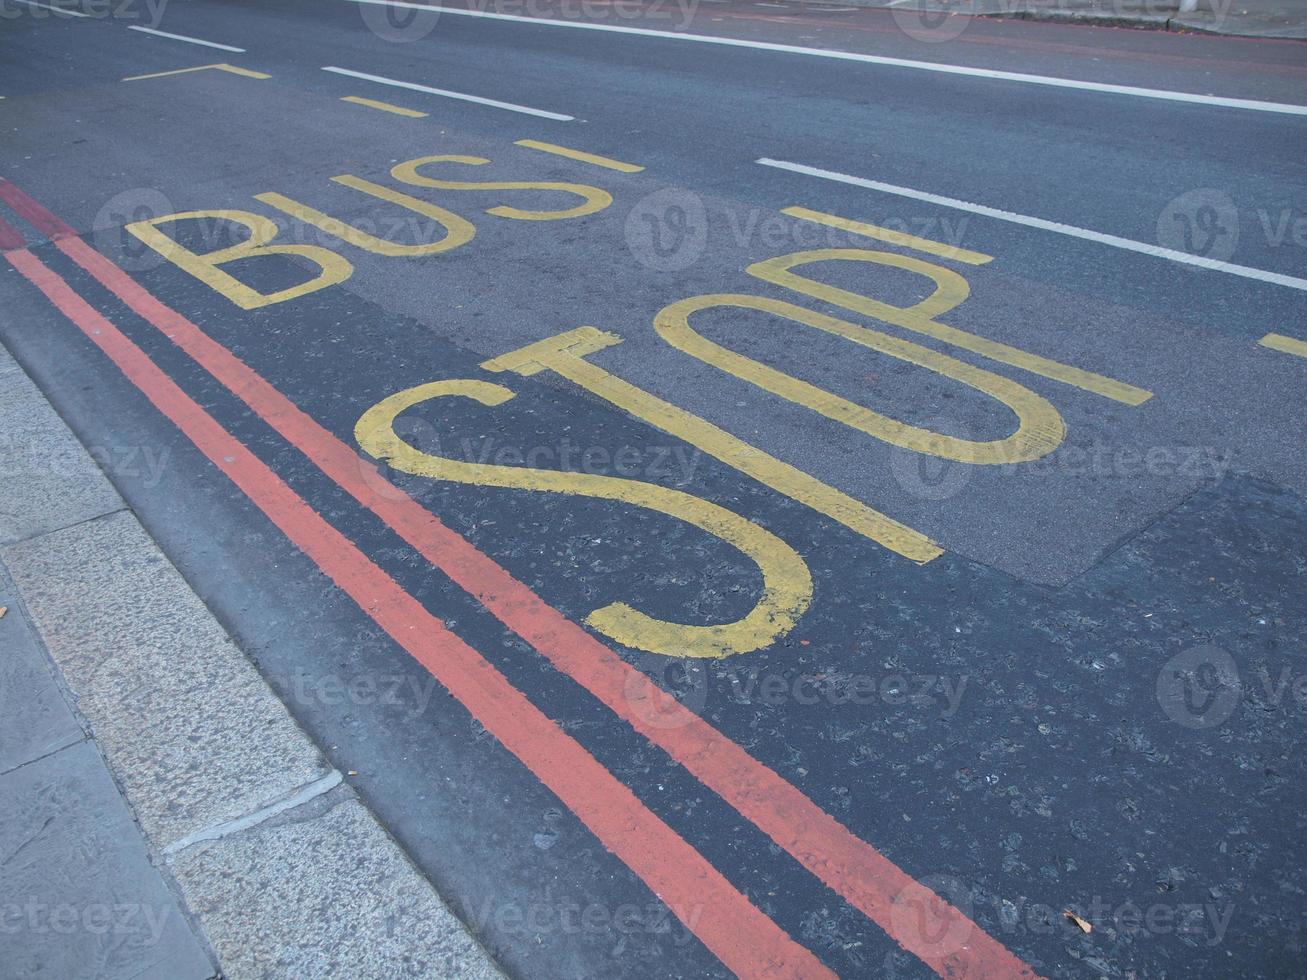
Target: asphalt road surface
x=889 y=561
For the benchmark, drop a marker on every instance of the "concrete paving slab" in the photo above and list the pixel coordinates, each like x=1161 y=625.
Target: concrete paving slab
x=344 y=901
x=202 y=748
x=78 y=894
x=192 y=730
x=50 y=482
x=35 y=720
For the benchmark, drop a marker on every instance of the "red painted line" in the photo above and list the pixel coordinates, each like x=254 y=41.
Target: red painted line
x=741 y=936
x=33 y=213
x=10 y=237
x=950 y=943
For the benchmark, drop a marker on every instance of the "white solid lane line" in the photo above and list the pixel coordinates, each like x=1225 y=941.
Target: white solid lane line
x=413 y=86
x=183 y=37
x=1042 y=223
x=60 y=10
x=870 y=59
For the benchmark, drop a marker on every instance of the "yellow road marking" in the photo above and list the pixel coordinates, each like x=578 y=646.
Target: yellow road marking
x=950 y=290
x=457 y=230
x=889 y=235
x=398 y=110
x=1287 y=345
x=787 y=583
x=332 y=268
x=564 y=355
x=593 y=198
x=563 y=151
x=1039 y=429
x=244 y=72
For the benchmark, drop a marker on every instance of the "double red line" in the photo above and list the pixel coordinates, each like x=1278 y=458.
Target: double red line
x=738 y=933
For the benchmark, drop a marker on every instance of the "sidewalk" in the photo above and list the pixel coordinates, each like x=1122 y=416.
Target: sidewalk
x=161 y=814
x=1242 y=18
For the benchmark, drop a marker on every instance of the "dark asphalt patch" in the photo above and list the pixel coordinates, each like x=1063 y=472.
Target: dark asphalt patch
x=1038 y=770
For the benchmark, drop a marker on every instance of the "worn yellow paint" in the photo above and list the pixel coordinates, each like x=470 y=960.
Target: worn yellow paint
x=1286 y=345
x=232 y=69
x=458 y=231
x=950 y=290
x=564 y=355
x=591 y=158
x=787 y=583
x=333 y=268
x=398 y=110
x=1039 y=430
x=594 y=198
x=889 y=235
